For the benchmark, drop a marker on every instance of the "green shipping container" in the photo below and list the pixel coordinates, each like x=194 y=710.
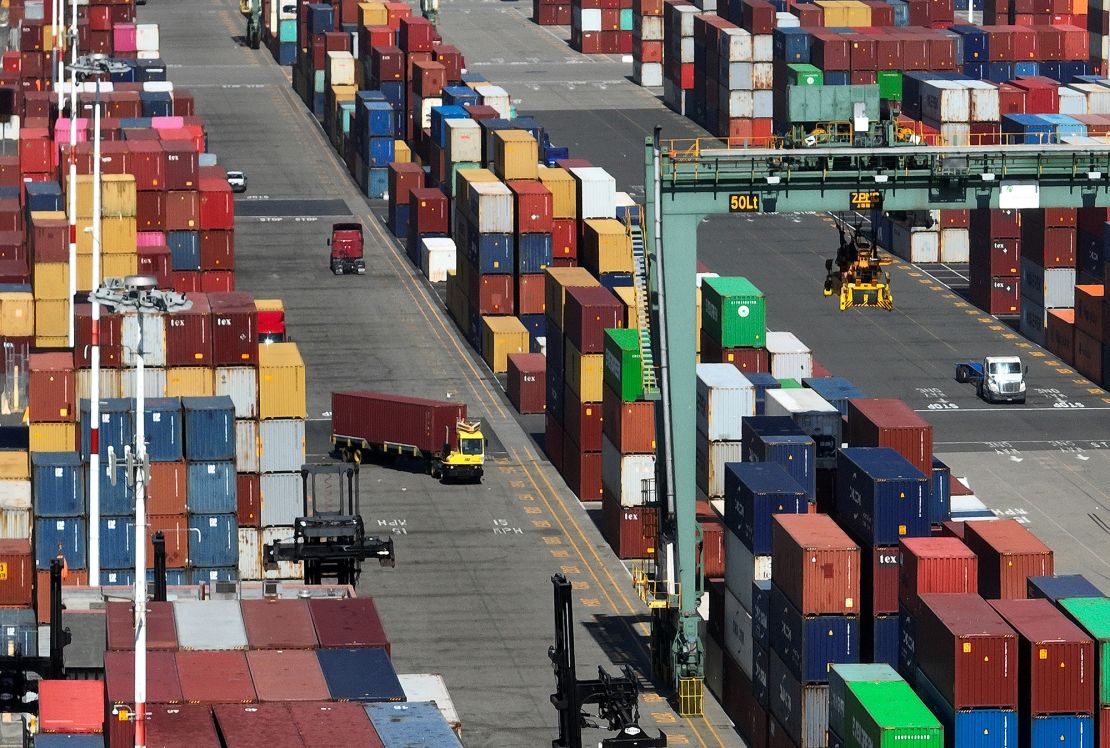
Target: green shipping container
x=623 y=364
x=890 y=85
x=789 y=384
x=626 y=19
x=888 y=714
x=733 y=312
x=804 y=74
x=287 y=30
x=1093 y=615
x=830 y=103
x=840 y=676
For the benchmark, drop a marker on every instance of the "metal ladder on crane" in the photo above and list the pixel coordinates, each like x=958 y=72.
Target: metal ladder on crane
x=643 y=317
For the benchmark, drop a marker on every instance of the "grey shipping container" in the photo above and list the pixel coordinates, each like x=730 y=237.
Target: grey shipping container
x=282 y=445
x=19 y=634
x=415 y=723
x=830 y=103
x=209 y=624
x=282 y=499
x=802 y=709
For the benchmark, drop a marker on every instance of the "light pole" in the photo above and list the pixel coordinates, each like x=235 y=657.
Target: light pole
x=136 y=293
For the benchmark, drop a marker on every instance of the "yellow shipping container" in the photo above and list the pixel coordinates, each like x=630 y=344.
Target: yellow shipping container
x=84 y=196
x=402 y=154
x=463 y=179
x=584 y=373
x=52 y=318
x=118 y=236
x=281 y=381
x=84 y=236
x=51 y=280
x=501 y=337
x=374 y=14
x=190 y=381
x=269 y=305
x=627 y=295
x=51 y=341
x=606 y=246
x=515 y=155
x=118 y=266
x=84 y=273
x=835 y=14
x=344 y=93
x=52 y=437
x=564 y=190
x=15 y=464
x=17 y=314
x=859 y=15
x=556 y=283
x=117 y=196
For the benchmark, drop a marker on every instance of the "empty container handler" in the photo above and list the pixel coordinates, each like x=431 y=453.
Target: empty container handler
x=412 y=723
x=163 y=425
x=754 y=492
x=210 y=488
x=360 y=674
x=808 y=645
x=1008 y=555
x=813 y=414
x=58 y=484
x=778 y=439
x=1061 y=587
x=966 y=650
x=835 y=390
x=281 y=445
x=841 y=676
x=1056 y=673
x=878 y=422
x=116 y=426
x=71 y=706
x=880 y=497
x=802 y=708
x=209 y=428
x=287 y=675
x=733 y=312
x=278 y=624
x=742 y=568
x=61 y=537
x=623 y=364
x=940 y=493
x=1093 y=616
x=181 y=725
x=724 y=399
x=997 y=728
x=120 y=626
x=348 y=622
x=937 y=564
x=815 y=564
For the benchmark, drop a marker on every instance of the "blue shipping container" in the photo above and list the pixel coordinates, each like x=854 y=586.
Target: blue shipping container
x=399 y=220
x=880 y=497
x=377 y=182
x=535 y=324
x=209 y=428
x=63 y=740
x=213 y=540
x=1061 y=731
x=210 y=574
x=414 y=723
x=360 y=674
x=907 y=642
x=791 y=45
x=154 y=104
x=440 y=133
x=491 y=253
x=533 y=252
x=754 y=491
x=836 y=391
x=1061 y=587
x=164 y=441
x=117 y=542
x=612 y=281
x=883 y=640
x=43 y=196
x=761 y=611
x=1027 y=68
x=210 y=488
x=940 y=493
x=778 y=439
x=184 y=250
x=459 y=95
x=809 y=644
x=552 y=153
x=118 y=498
x=57 y=480
x=380 y=151
x=377 y=118
x=970 y=728
x=320 y=18
x=762 y=381
x=117 y=429
x=761 y=666
x=19 y=632
x=64 y=536
x=976 y=43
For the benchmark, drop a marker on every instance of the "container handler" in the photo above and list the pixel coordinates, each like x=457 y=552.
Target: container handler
x=855 y=276
x=997 y=379
x=252 y=9
x=370 y=424
x=346 y=249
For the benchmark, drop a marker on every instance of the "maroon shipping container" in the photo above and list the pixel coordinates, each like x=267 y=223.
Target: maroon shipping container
x=161 y=631
x=175 y=528
x=491 y=294
x=587 y=312
x=189 y=334
x=378 y=418
x=182 y=210
x=182 y=166
x=937 y=564
x=17 y=587
x=1104 y=727
x=744 y=359
x=1056 y=661
x=150 y=211
x=287 y=675
x=234 y=329
x=526 y=382
x=829 y=50
x=11 y=246
x=997 y=295
x=51 y=388
x=712 y=548
x=581 y=421
x=629 y=426
x=815 y=564
x=1008 y=555
x=387 y=63
x=216 y=281
x=427 y=77
x=349 y=622
x=416 y=34
x=217 y=249
x=1003 y=257
x=753 y=721
x=251 y=726
x=180 y=726
x=564 y=238
x=341 y=724
x=534 y=207
x=530 y=293
x=111 y=337
x=880 y=581
x=162 y=687
x=581 y=470
x=217 y=207
x=167 y=488
x=156 y=261
x=248 y=500
x=48 y=240
x=967 y=651
x=886 y=422
x=278 y=624
x=428 y=211
x=553 y=438
x=215 y=677
x=403 y=178
x=629 y=530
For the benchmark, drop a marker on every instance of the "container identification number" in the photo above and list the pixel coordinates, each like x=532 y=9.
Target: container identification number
x=866 y=199
x=743 y=203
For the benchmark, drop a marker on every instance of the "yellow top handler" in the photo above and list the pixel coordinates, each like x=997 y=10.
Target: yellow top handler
x=856 y=275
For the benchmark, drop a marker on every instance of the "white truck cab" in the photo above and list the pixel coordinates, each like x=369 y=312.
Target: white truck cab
x=998 y=379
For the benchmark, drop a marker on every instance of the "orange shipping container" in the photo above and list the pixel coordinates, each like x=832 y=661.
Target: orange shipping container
x=1089 y=310
x=17 y=573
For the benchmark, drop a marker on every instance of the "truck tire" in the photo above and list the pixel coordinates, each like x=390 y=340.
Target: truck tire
x=961 y=374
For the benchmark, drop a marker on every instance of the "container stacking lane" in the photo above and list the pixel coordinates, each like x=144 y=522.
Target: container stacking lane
x=470 y=597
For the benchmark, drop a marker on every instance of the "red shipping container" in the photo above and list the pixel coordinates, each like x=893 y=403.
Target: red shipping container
x=1056 y=659
x=955 y=219
x=553 y=438
x=581 y=470
x=189 y=334
x=278 y=624
x=564 y=238
x=15 y=271
x=712 y=547
x=998 y=295
x=217 y=208
x=882 y=14
x=48 y=240
x=161 y=630
x=942 y=52
x=1075 y=40
x=155 y=261
x=1024 y=40
x=1050 y=42
x=1060 y=333
x=51 y=388
x=1041 y=94
x=182 y=169
x=1008 y=555
x=530 y=293
x=526 y=382
x=214 y=677
x=757 y=16
x=810 y=16
x=348 y=622
x=217 y=248
x=150 y=211
x=581 y=421
x=1005 y=257
x=234 y=329
x=36 y=154
x=182 y=210
x=1000 y=43
x=175 y=529
x=885 y=422
x=587 y=313
x=937 y=564
x=629 y=530
x=1011 y=99
x=71 y=706
x=427 y=77
x=428 y=211
x=815 y=564
x=18 y=581
x=534 y=207
x=9 y=171
x=744 y=359
x=282 y=675
x=248 y=500
x=629 y=426
x=333 y=723
x=162 y=683
x=378 y=418
x=416 y=34
x=829 y=51
x=403 y=177
x=880 y=581
x=111 y=337
x=492 y=294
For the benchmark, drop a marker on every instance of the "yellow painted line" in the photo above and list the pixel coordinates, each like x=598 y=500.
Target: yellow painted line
x=959 y=304
x=972 y=312
x=914 y=275
x=1037 y=354
x=1094 y=390
x=1051 y=362
x=1106 y=399
x=936 y=288
x=986 y=320
x=1009 y=336
x=926 y=281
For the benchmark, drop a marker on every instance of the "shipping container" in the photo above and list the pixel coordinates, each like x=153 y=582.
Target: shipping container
x=808 y=645
x=19 y=633
x=209 y=428
x=803 y=709
x=623 y=366
x=738 y=636
x=17 y=572
x=816 y=565
x=58 y=484
x=209 y=624
x=743 y=570
x=624 y=476
x=813 y=414
x=362 y=674
x=282 y=498
x=733 y=312
x=790 y=357
x=344 y=725
x=1008 y=555
x=278 y=624
x=412 y=723
x=841 y=676
x=211 y=488
x=71 y=706
x=240 y=383
x=1093 y=616
x=630 y=531
x=286 y=675
x=348 y=622
x=881 y=497
x=724 y=398
x=753 y=493
x=997 y=728
x=61 y=537
x=937 y=564
x=431 y=687
x=181 y=726
x=778 y=439
x=876 y=422
x=378 y=418
x=1061 y=587
x=242 y=726
x=526 y=382
x=161 y=629
x=710 y=461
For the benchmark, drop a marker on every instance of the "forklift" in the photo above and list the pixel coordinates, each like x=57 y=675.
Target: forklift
x=856 y=276
x=331 y=544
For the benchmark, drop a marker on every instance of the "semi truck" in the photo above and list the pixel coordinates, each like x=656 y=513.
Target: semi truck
x=377 y=424
x=997 y=379
x=346 y=249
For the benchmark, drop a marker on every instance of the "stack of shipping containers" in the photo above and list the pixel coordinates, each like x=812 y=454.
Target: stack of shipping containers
x=597 y=28
x=647 y=42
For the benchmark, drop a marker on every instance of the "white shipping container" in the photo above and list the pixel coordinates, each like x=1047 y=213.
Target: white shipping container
x=790 y=402
x=148 y=86
x=154 y=383
x=146 y=37
x=648 y=74
x=1053 y=288
x=1033 y=320
x=945 y=101
x=285 y=569
x=109 y=383
x=426 y=106
x=240 y=383
x=496 y=97
x=148 y=55
x=15 y=524
x=1098 y=97
x=624 y=475
x=710 y=460
x=464 y=140
x=650 y=28
x=764 y=103
x=955 y=133
x=585 y=19
x=250 y=553
x=742 y=568
x=740 y=104
x=724 y=398
x=209 y=624
x=983 y=100
x=246 y=446
x=787 y=21
x=736 y=45
x=153 y=335
x=916 y=244
x=282 y=499
x=597 y=191
x=491 y=207
x=763 y=76
x=763 y=48
x=281 y=445
x=341 y=68
x=1073 y=102
x=738 y=632
x=437 y=258
x=432 y=687
x=955 y=245
x=790 y=357
x=15 y=494
x=686 y=15
x=736 y=76
x=686 y=49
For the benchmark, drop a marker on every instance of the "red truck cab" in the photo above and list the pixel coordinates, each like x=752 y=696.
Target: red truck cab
x=271 y=320
x=346 y=249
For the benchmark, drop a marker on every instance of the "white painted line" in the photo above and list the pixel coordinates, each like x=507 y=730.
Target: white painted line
x=1071 y=409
